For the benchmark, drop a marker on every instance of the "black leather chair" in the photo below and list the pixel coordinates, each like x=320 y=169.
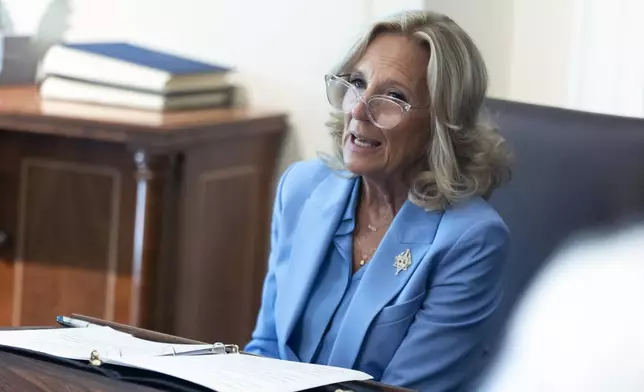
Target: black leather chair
x=574 y=171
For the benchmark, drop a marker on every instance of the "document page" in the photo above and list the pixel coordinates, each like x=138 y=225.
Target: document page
x=238 y=372
x=78 y=343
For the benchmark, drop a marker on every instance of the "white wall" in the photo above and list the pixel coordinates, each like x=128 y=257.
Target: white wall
x=525 y=44
x=608 y=71
x=490 y=23
x=377 y=9
x=580 y=54
x=542 y=51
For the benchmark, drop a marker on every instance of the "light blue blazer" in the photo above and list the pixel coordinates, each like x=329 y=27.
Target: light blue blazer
x=426 y=328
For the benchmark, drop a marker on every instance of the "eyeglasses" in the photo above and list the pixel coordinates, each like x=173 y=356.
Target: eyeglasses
x=384 y=112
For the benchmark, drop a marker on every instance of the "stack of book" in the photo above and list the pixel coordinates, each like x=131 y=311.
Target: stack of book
x=127 y=75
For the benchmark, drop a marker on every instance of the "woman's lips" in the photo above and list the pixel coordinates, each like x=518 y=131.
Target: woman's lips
x=364 y=143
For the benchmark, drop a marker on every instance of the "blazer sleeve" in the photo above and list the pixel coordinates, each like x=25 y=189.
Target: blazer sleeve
x=445 y=346
x=264 y=338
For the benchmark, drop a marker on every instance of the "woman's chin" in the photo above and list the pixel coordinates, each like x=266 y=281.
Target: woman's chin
x=361 y=168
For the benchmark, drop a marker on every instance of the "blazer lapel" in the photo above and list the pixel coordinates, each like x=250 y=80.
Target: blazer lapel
x=316 y=225
x=413 y=229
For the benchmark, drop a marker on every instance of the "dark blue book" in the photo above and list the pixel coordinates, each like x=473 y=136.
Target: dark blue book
x=173 y=64
x=135 y=67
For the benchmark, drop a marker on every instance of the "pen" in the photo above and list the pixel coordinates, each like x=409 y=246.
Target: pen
x=73 y=323
x=201 y=351
x=217 y=348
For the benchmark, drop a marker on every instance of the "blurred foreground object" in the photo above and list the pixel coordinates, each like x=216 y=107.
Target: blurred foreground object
x=580 y=327
x=20 y=55
x=19 y=61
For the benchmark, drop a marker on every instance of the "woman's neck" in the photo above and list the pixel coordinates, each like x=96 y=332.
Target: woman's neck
x=383 y=196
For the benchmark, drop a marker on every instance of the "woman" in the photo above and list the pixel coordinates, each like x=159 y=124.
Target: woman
x=394 y=268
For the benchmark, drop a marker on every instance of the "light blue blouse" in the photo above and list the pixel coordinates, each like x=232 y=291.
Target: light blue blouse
x=338 y=269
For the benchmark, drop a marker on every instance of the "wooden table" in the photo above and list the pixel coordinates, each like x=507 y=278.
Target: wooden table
x=19 y=373
x=23 y=374
x=156 y=220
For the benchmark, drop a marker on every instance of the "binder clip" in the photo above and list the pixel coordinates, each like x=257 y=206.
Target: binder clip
x=95 y=358
x=221 y=348
x=216 y=348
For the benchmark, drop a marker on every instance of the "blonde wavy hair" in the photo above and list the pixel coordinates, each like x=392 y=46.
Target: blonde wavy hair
x=466 y=156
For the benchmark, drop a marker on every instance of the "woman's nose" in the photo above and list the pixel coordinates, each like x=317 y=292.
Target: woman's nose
x=359 y=111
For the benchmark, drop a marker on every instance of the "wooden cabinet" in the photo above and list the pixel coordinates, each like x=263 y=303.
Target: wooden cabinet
x=148 y=219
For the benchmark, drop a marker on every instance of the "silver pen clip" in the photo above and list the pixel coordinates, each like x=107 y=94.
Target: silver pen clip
x=217 y=348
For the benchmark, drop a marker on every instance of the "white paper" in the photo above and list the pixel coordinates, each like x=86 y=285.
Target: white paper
x=241 y=373
x=78 y=343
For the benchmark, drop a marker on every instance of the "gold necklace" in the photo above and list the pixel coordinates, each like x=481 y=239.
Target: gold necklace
x=375 y=228
x=364 y=257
